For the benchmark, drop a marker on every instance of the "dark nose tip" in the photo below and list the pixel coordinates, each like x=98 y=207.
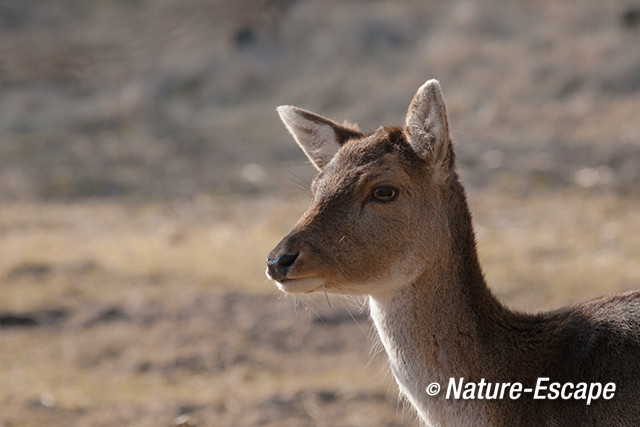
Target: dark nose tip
x=286 y=260
x=279 y=267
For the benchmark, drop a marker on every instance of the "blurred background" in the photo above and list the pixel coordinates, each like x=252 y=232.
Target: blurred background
x=144 y=176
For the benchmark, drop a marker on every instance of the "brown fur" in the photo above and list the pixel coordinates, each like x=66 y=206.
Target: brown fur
x=416 y=258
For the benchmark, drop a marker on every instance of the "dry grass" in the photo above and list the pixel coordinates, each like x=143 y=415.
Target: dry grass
x=146 y=290
x=583 y=242
x=146 y=334
x=549 y=250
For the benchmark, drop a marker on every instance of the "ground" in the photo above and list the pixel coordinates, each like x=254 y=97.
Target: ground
x=144 y=176
x=117 y=314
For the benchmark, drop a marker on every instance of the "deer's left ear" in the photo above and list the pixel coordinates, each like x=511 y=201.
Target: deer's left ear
x=318 y=137
x=427 y=128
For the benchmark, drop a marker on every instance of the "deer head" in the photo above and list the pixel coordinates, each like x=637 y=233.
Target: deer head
x=379 y=215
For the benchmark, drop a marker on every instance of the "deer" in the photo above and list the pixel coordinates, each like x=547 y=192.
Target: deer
x=389 y=221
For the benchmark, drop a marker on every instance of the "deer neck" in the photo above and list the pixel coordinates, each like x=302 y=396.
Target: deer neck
x=441 y=326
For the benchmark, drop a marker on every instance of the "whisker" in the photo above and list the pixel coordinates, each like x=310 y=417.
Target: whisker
x=353 y=318
x=312 y=307
x=327 y=295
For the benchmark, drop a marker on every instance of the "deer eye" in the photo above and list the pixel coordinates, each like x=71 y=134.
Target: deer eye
x=384 y=194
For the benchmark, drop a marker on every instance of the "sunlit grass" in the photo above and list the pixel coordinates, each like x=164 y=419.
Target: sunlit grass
x=555 y=249
x=209 y=243
x=539 y=251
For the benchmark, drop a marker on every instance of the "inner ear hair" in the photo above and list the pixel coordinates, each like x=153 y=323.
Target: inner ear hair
x=320 y=138
x=427 y=127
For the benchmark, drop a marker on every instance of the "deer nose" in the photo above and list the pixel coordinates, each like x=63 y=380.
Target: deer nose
x=279 y=267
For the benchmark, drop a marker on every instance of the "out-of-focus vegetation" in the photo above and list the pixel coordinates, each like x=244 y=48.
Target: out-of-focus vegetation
x=144 y=175
x=173 y=99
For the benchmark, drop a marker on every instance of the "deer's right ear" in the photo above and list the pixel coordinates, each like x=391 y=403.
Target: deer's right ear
x=319 y=138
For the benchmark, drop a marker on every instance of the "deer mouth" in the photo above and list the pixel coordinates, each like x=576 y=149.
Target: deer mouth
x=298 y=285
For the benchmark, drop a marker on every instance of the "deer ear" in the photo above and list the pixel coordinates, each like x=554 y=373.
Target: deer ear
x=427 y=128
x=319 y=138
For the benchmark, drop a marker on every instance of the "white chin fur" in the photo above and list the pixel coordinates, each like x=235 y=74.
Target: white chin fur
x=308 y=284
